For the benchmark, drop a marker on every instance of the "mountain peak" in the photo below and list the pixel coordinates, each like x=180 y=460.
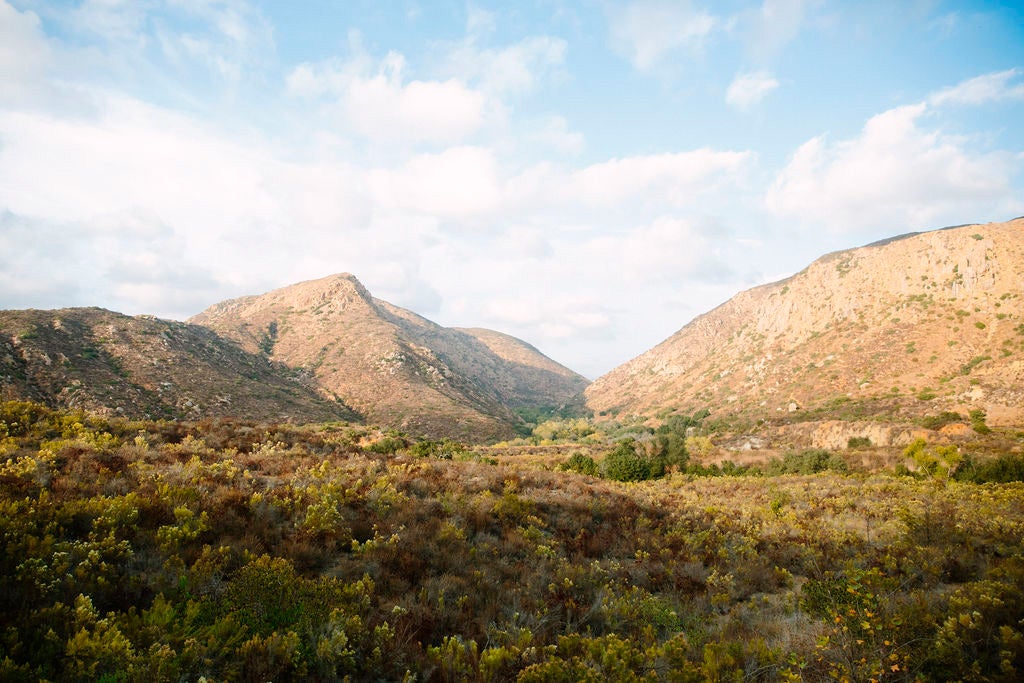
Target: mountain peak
x=394 y=366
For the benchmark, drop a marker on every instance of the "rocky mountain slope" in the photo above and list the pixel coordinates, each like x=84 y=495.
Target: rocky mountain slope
x=105 y=362
x=911 y=326
x=395 y=367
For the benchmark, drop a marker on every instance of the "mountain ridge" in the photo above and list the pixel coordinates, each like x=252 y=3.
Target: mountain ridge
x=142 y=366
x=394 y=365
x=319 y=350
x=913 y=324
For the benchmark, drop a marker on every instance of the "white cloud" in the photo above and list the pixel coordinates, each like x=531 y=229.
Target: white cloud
x=748 y=89
x=554 y=134
x=226 y=39
x=673 y=178
x=668 y=250
x=135 y=267
x=776 y=25
x=384 y=107
x=480 y=21
x=994 y=87
x=524 y=242
x=894 y=173
x=649 y=31
x=331 y=76
x=555 y=315
x=231 y=208
x=24 y=54
x=118 y=21
x=460 y=182
x=512 y=70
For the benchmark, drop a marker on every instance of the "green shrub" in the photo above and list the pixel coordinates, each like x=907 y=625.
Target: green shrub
x=855 y=442
x=1006 y=468
x=810 y=461
x=581 y=464
x=941 y=420
x=387 y=445
x=966 y=368
x=445 y=449
x=625 y=464
x=978 y=421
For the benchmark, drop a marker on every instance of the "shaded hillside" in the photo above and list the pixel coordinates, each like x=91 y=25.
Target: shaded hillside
x=97 y=360
x=397 y=368
x=919 y=324
x=529 y=378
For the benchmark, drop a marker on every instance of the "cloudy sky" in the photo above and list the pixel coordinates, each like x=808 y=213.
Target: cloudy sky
x=588 y=176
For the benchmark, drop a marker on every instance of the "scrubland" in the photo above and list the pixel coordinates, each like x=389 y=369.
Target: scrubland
x=165 y=551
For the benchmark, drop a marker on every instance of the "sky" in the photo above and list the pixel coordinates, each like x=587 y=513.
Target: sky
x=588 y=176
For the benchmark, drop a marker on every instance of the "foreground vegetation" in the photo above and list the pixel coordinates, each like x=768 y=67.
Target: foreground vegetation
x=164 y=551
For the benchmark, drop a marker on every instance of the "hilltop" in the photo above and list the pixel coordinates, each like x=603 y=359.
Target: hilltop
x=911 y=326
x=396 y=367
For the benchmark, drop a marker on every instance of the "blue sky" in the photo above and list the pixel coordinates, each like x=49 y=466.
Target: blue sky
x=588 y=176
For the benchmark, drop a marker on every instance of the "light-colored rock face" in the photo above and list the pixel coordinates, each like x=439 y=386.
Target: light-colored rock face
x=397 y=368
x=915 y=325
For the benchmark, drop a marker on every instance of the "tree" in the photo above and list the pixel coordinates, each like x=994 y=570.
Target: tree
x=938 y=462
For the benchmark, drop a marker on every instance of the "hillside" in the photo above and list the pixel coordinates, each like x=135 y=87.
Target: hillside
x=113 y=364
x=915 y=325
x=395 y=367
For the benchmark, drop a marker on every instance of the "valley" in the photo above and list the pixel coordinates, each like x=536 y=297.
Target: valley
x=822 y=479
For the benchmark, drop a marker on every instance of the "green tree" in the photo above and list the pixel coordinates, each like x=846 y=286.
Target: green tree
x=938 y=462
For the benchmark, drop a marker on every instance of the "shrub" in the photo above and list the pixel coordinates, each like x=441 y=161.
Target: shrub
x=1001 y=470
x=858 y=442
x=387 y=445
x=810 y=461
x=581 y=464
x=966 y=368
x=18 y=416
x=445 y=449
x=941 y=420
x=701 y=446
x=978 y=421
x=625 y=464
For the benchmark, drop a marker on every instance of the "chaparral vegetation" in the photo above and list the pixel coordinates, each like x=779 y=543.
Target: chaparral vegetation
x=235 y=551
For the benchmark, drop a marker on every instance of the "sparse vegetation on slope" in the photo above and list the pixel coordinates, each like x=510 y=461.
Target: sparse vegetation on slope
x=98 y=360
x=398 y=368
x=899 y=329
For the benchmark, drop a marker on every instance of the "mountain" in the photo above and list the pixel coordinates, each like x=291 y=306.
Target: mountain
x=899 y=329
x=392 y=365
x=106 y=362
